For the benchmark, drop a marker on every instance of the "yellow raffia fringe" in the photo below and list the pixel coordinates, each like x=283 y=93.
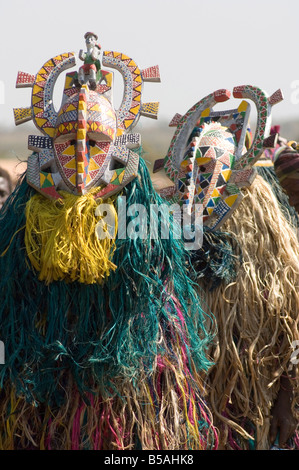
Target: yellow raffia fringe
x=61 y=239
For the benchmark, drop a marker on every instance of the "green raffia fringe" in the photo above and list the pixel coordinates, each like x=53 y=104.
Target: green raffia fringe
x=97 y=333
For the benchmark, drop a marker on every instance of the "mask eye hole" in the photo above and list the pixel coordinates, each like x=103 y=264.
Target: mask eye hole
x=92 y=143
x=73 y=142
x=118 y=165
x=202 y=168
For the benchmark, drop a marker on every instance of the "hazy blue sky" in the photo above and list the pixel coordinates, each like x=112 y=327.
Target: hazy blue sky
x=200 y=46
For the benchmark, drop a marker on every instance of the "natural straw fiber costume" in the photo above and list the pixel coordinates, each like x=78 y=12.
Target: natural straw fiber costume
x=257 y=318
x=248 y=265
x=105 y=339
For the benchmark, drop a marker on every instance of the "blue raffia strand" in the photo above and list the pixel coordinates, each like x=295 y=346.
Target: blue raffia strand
x=217 y=260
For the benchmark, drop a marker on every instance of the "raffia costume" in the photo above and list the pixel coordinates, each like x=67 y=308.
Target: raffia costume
x=105 y=339
x=257 y=318
x=248 y=266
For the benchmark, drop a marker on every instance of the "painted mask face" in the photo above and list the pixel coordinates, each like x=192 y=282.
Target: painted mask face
x=86 y=127
x=88 y=143
x=210 y=152
x=208 y=161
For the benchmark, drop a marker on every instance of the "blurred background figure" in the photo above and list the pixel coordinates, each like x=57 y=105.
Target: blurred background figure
x=6 y=186
x=286 y=164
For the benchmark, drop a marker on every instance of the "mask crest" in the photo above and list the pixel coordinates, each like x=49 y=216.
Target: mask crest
x=209 y=159
x=87 y=143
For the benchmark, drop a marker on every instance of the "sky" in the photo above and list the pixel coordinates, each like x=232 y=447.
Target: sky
x=200 y=46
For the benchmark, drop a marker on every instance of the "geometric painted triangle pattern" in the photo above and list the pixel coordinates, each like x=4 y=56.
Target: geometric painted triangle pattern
x=204 y=174
x=87 y=143
x=65 y=157
x=131 y=105
x=211 y=158
x=44 y=114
